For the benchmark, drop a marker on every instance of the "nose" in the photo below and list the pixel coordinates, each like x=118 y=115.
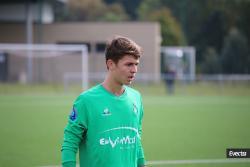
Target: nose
x=134 y=69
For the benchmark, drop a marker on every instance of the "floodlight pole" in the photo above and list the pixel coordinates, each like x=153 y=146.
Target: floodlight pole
x=29 y=38
x=85 y=68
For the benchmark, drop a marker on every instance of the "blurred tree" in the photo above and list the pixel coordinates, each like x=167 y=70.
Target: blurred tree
x=235 y=54
x=170 y=28
x=147 y=7
x=211 y=63
x=93 y=10
x=244 y=20
x=206 y=23
x=86 y=9
x=114 y=13
x=130 y=7
x=210 y=34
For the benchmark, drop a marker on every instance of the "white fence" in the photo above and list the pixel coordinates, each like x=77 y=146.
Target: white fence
x=148 y=78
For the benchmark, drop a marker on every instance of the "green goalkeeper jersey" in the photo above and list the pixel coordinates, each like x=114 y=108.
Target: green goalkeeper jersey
x=106 y=129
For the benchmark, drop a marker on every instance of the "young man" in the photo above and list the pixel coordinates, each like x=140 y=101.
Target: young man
x=105 y=122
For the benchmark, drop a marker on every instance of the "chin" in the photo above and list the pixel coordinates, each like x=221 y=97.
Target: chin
x=128 y=83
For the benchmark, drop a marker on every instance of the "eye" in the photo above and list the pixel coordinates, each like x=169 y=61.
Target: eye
x=129 y=64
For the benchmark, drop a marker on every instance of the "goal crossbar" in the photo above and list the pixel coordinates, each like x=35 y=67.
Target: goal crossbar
x=52 y=47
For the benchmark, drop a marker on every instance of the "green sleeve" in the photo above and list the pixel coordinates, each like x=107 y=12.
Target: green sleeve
x=140 y=154
x=69 y=164
x=74 y=133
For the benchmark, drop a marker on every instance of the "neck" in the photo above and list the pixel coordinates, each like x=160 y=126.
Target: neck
x=110 y=85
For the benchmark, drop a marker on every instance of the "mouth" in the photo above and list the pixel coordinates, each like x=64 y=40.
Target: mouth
x=131 y=78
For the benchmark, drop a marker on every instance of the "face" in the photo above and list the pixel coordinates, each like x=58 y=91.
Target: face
x=124 y=71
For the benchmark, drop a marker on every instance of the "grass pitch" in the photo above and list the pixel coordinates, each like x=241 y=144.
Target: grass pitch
x=179 y=127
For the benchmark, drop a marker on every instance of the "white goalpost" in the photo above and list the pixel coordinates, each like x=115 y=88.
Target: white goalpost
x=31 y=63
x=179 y=59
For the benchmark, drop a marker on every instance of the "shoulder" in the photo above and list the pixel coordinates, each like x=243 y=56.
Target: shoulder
x=89 y=94
x=133 y=92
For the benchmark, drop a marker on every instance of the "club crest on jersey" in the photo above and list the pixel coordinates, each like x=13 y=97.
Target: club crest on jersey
x=106 y=112
x=73 y=114
x=135 y=109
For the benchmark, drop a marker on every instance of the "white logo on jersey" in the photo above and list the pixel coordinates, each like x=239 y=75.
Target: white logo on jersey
x=106 y=112
x=123 y=141
x=124 y=127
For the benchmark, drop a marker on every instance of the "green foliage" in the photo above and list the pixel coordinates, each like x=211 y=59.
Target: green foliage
x=130 y=6
x=235 y=53
x=244 y=18
x=206 y=23
x=114 y=13
x=94 y=10
x=211 y=63
x=147 y=7
x=171 y=31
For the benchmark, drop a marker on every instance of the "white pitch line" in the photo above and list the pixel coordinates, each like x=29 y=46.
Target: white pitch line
x=55 y=166
x=197 y=161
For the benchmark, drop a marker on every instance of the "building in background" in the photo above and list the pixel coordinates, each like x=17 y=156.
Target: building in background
x=34 y=23
x=94 y=35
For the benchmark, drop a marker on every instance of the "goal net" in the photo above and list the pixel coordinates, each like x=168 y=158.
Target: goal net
x=44 y=64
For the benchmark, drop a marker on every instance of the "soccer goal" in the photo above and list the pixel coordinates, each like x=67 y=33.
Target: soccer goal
x=44 y=64
x=180 y=60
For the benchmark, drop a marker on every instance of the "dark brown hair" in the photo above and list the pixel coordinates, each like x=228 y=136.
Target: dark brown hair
x=121 y=46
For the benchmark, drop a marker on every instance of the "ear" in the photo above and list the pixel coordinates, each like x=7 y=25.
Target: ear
x=110 y=64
